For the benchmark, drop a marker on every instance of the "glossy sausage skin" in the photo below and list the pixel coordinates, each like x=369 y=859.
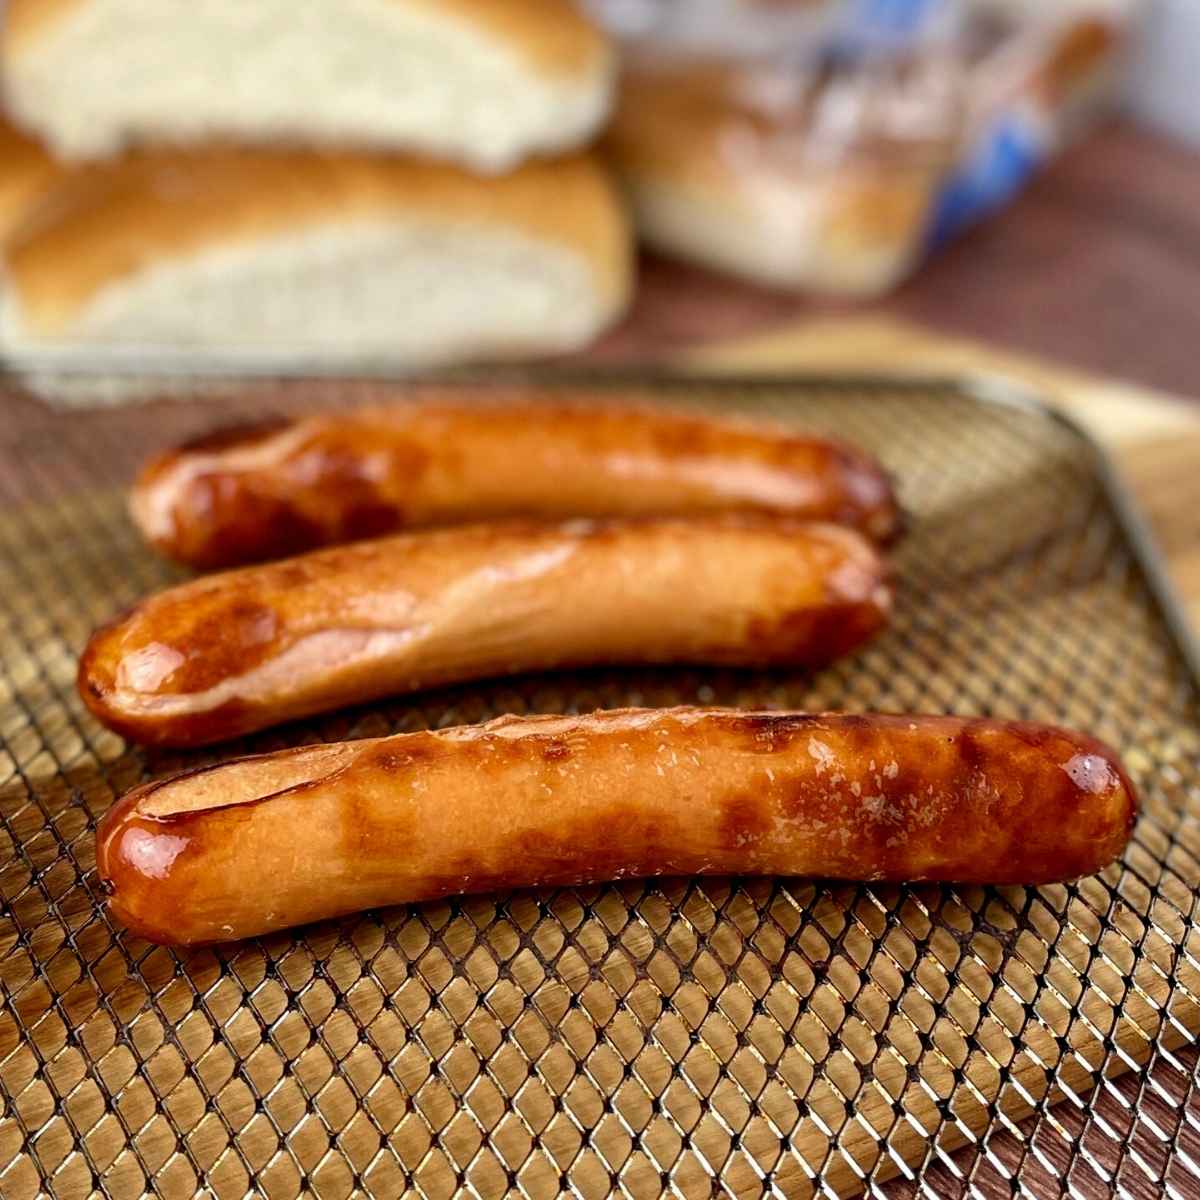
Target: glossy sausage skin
x=280 y=488
x=226 y=654
x=263 y=843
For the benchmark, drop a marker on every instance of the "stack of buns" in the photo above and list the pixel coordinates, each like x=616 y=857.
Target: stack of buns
x=405 y=179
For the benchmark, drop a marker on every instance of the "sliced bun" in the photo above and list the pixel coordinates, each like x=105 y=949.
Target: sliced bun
x=419 y=262
x=484 y=82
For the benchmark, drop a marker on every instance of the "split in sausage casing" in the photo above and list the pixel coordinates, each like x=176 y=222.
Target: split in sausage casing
x=282 y=487
x=226 y=654
x=263 y=843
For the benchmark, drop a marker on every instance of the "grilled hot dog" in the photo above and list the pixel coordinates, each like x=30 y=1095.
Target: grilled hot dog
x=263 y=843
x=249 y=494
x=226 y=654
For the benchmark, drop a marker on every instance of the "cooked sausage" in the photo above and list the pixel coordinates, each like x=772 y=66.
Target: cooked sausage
x=282 y=839
x=226 y=654
x=279 y=488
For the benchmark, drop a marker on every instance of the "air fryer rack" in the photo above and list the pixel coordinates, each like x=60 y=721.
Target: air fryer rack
x=742 y=1037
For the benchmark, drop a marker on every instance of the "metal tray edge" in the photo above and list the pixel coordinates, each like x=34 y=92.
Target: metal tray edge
x=1002 y=390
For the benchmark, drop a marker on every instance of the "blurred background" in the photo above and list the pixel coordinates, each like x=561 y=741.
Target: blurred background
x=1024 y=173
x=1035 y=186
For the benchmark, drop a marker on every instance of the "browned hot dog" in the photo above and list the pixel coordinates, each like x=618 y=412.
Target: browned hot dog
x=283 y=839
x=245 y=495
x=226 y=654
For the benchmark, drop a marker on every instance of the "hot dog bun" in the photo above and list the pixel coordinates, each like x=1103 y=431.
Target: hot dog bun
x=724 y=168
x=327 y=255
x=484 y=82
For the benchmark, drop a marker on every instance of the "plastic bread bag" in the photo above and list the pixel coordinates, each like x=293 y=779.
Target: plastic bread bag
x=827 y=146
x=730 y=27
x=1041 y=77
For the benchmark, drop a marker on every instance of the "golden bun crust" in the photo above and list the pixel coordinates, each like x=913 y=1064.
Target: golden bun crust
x=26 y=171
x=107 y=223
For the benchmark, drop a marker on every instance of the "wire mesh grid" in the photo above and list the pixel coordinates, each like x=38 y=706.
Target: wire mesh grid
x=746 y=1037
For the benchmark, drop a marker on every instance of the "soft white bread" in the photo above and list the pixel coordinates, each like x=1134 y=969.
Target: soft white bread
x=26 y=172
x=485 y=82
x=339 y=254
x=722 y=170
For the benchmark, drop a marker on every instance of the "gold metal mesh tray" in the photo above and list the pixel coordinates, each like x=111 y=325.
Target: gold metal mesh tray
x=747 y=1037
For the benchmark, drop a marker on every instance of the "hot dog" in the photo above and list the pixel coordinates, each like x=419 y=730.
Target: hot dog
x=279 y=488
x=226 y=654
x=263 y=843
